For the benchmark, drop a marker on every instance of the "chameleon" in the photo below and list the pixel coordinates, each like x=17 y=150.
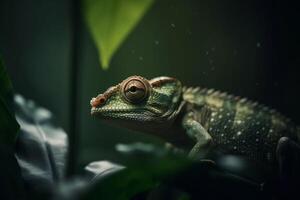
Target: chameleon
x=198 y=119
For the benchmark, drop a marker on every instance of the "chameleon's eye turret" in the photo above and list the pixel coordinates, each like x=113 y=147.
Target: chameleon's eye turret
x=135 y=89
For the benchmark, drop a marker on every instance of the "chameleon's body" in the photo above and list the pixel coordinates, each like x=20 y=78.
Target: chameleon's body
x=239 y=126
x=211 y=119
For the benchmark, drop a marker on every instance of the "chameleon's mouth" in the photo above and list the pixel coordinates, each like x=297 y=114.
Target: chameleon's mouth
x=102 y=112
x=95 y=110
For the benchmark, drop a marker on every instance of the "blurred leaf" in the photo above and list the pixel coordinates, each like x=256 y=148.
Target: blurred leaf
x=42 y=146
x=142 y=174
x=8 y=124
x=110 y=21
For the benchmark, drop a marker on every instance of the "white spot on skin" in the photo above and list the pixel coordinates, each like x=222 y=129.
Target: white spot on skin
x=228 y=114
x=239 y=133
x=222 y=135
x=212 y=119
x=220 y=116
x=225 y=127
x=238 y=121
x=257 y=140
x=213 y=114
x=271 y=130
x=234 y=147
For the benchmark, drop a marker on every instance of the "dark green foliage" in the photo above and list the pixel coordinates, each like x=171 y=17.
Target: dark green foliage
x=8 y=124
x=154 y=173
x=147 y=167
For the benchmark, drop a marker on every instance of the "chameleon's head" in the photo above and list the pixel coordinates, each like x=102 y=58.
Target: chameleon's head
x=139 y=101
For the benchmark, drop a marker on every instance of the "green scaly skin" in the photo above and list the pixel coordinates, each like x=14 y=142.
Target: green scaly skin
x=195 y=118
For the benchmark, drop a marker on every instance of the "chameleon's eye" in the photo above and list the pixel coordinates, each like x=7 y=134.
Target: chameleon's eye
x=135 y=90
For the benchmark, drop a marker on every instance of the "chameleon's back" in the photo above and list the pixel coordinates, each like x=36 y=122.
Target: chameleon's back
x=240 y=126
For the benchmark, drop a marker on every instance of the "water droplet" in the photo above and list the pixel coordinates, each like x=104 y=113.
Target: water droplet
x=258 y=44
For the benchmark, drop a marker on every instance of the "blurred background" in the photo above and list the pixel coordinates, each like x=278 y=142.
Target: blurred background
x=248 y=48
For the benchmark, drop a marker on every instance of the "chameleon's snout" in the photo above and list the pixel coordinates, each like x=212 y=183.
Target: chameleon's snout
x=98 y=101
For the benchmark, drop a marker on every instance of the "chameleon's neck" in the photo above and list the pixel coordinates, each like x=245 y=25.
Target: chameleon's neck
x=174 y=133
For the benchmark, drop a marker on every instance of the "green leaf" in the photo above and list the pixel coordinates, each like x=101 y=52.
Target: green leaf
x=8 y=124
x=110 y=21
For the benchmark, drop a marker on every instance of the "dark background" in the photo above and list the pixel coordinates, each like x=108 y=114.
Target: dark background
x=248 y=48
